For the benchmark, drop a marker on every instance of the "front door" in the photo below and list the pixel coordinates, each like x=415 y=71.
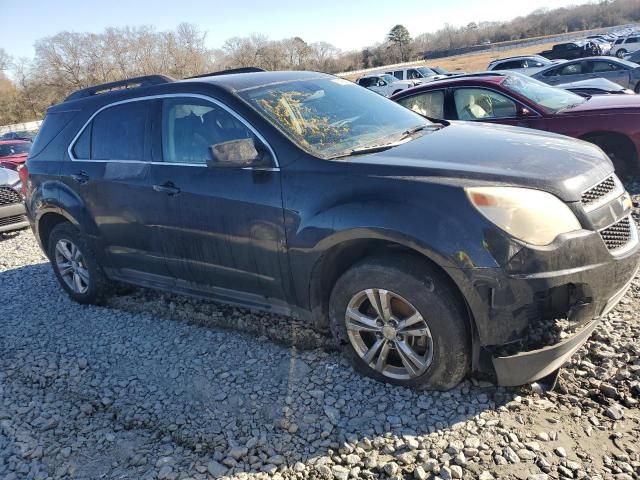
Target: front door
x=225 y=230
x=485 y=105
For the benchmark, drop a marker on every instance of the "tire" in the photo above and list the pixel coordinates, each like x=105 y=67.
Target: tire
x=621 y=53
x=445 y=359
x=637 y=89
x=93 y=285
x=397 y=91
x=619 y=153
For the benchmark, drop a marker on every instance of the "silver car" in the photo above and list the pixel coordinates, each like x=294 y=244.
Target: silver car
x=12 y=212
x=622 y=72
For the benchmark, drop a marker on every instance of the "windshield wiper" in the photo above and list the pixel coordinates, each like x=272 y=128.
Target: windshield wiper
x=367 y=149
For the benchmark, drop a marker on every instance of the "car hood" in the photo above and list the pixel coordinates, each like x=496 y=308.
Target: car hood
x=481 y=153
x=8 y=177
x=606 y=102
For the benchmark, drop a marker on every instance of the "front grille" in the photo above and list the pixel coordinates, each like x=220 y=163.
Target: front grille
x=8 y=196
x=11 y=220
x=596 y=194
x=618 y=235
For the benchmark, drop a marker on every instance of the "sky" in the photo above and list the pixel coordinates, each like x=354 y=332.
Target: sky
x=346 y=24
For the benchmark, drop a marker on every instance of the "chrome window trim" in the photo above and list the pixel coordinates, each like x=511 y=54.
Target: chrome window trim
x=214 y=101
x=615 y=193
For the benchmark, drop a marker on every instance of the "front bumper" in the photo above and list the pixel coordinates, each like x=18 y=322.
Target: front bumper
x=13 y=217
x=527 y=367
x=575 y=279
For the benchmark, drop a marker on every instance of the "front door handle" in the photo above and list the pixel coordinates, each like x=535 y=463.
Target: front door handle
x=167 y=187
x=80 y=177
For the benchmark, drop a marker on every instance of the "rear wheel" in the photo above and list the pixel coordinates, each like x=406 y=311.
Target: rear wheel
x=399 y=321
x=75 y=265
x=621 y=53
x=637 y=89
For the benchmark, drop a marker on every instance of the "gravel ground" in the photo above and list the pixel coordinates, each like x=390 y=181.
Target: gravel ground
x=160 y=386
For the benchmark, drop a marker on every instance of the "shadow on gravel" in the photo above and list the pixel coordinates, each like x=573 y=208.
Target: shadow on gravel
x=231 y=401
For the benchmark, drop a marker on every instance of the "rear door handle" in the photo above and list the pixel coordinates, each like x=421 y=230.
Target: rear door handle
x=168 y=187
x=80 y=177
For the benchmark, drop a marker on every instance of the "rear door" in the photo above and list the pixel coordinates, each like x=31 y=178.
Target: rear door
x=109 y=167
x=224 y=231
x=610 y=70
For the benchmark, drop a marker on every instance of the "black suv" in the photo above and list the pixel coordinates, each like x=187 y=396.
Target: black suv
x=429 y=250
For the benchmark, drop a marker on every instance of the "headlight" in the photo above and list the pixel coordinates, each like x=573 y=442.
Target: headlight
x=532 y=216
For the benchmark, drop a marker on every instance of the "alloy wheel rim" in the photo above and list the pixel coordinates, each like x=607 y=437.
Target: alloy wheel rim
x=389 y=334
x=71 y=266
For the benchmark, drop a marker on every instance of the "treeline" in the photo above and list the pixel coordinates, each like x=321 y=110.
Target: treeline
x=68 y=61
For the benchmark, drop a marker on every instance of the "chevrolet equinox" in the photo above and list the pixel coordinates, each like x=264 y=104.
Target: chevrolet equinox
x=430 y=250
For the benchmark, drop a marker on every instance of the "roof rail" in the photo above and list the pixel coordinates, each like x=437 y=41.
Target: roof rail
x=135 y=82
x=228 y=72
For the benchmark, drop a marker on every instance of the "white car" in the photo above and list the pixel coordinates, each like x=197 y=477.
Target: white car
x=384 y=84
x=626 y=45
x=416 y=74
x=526 y=64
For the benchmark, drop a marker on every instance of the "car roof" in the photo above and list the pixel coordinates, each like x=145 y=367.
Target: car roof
x=150 y=85
x=515 y=57
x=494 y=78
x=244 y=81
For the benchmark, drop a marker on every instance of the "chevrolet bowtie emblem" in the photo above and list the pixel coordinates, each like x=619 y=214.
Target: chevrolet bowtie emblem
x=625 y=202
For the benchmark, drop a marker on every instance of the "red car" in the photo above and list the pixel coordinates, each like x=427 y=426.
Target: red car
x=13 y=153
x=610 y=121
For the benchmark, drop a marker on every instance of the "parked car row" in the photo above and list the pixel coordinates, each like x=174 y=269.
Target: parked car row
x=430 y=248
x=617 y=43
x=514 y=99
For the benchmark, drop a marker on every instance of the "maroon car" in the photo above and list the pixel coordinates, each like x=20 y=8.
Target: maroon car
x=13 y=153
x=610 y=121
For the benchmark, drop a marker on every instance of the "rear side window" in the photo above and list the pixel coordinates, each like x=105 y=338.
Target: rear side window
x=602 y=66
x=120 y=132
x=50 y=128
x=398 y=74
x=632 y=40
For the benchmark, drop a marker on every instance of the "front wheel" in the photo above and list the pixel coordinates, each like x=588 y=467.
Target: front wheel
x=621 y=53
x=399 y=321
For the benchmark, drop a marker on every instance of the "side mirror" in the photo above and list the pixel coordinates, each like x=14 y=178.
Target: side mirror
x=524 y=112
x=240 y=153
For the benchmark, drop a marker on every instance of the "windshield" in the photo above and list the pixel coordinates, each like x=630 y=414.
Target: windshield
x=426 y=72
x=389 y=78
x=9 y=149
x=332 y=117
x=551 y=98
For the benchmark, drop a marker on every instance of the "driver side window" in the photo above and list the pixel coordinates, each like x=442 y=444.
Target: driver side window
x=190 y=126
x=481 y=104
